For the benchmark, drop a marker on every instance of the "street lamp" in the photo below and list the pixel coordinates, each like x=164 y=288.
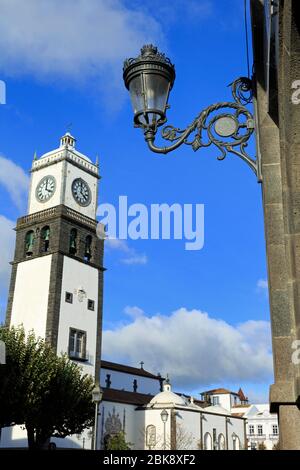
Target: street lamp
x=227 y=125
x=97 y=395
x=164 y=417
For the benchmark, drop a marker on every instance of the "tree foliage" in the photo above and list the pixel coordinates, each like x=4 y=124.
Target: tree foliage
x=46 y=393
x=118 y=442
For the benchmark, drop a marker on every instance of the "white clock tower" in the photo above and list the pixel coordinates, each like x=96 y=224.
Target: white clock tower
x=56 y=285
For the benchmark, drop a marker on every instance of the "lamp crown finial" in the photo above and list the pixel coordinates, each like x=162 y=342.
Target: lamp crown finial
x=148 y=49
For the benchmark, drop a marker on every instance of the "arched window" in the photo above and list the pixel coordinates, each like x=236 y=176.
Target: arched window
x=207 y=441
x=235 y=442
x=73 y=242
x=45 y=238
x=88 y=248
x=29 y=243
x=221 y=442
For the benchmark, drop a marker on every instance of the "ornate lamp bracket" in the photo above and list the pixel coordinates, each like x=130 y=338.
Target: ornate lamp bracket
x=226 y=125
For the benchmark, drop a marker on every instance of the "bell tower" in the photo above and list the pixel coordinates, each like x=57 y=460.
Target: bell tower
x=56 y=284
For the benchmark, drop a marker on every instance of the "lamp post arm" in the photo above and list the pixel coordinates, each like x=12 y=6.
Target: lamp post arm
x=226 y=125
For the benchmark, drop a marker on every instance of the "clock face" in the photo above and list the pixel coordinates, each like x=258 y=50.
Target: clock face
x=45 y=189
x=81 y=192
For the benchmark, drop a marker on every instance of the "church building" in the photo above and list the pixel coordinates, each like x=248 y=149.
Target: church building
x=56 y=289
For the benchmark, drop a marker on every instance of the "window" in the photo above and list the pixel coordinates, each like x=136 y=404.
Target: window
x=73 y=242
x=91 y=304
x=251 y=429
x=216 y=401
x=108 y=381
x=88 y=248
x=260 y=430
x=29 y=243
x=69 y=297
x=275 y=429
x=45 y=238
x=77 y=344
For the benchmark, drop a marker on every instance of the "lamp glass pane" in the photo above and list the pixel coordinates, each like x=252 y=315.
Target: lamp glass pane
x=156 y=89
x=136 y=94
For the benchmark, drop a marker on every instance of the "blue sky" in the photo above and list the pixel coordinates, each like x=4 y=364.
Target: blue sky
x=64 y=65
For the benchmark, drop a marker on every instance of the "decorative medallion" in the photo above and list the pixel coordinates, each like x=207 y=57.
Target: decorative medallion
x=81 y=294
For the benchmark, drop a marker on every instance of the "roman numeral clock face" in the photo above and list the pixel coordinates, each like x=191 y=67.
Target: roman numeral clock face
x=45 y=189
x=81 y=192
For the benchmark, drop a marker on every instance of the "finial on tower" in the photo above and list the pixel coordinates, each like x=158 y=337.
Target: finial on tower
x=34 y=156
x=167 y=384
x=67 y=140
x=97 y=160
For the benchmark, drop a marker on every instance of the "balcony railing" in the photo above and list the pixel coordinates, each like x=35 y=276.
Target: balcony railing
x=256 y=436
x=273 y=436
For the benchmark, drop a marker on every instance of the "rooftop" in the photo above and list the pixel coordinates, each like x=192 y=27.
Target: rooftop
x=129 y=370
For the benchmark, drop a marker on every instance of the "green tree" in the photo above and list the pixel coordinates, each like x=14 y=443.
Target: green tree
x=118 y=442
x=46 y=393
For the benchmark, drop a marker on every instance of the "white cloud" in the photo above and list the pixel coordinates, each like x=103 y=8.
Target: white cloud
x=194 y=348
x=15 y=181
x=73 y=39
x=132 y=256
x=117 y=244
x=6 y=252
x=135 y=259
x=133 y=312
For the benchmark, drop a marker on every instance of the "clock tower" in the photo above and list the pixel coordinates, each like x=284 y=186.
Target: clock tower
x=56 y=285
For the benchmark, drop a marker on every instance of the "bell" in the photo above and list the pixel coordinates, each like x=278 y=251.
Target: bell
x=29 y=247
x=47 y=234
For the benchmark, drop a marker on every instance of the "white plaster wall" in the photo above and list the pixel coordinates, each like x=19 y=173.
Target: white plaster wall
x=73 y=172
x=64 y=173
x=224 y=401
x=30 y=303
x=76 y=315
x=152 y=416
x=124 y=381
x=13 y=436
x=133 y=421
x=188 y=433
x=55 y=170
x=16 y=436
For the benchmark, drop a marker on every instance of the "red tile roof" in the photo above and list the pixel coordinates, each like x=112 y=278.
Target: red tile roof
x=218 y=391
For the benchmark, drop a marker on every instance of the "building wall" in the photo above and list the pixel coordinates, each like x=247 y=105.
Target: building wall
x=125 y=418
x=153 y=418
x=124 y=381
x=72 y=172
x=55 y=170
x=77 y=315
x=267 y=438
x=64 y=173
x=30 y=302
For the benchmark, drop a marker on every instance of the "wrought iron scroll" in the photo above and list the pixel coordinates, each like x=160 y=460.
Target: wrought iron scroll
x=226 y=125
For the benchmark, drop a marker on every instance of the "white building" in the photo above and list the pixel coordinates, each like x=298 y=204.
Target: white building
x=262 y=427
x=190 y=423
